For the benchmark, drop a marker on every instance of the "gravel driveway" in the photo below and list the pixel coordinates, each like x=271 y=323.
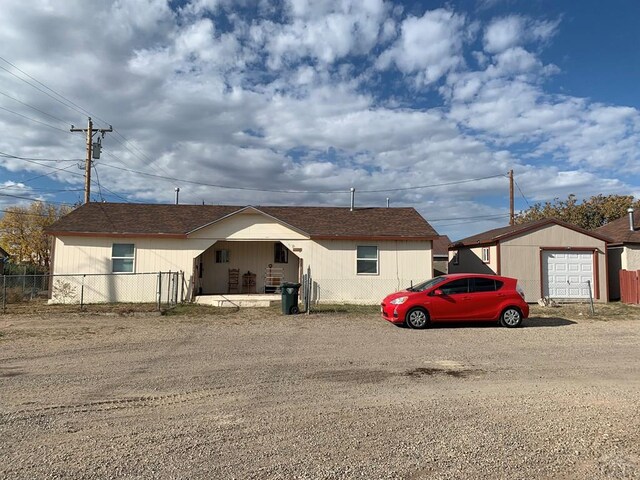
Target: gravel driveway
x=262 y=396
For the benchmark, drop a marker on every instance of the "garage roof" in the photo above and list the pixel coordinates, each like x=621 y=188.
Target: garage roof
x=498 y=234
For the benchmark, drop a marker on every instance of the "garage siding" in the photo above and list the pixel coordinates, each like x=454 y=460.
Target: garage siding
x=522 y=257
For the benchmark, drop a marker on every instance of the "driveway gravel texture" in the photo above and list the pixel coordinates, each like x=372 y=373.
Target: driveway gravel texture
x=258 y=395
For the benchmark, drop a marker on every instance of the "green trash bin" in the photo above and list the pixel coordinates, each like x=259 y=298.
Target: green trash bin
x=289 y=297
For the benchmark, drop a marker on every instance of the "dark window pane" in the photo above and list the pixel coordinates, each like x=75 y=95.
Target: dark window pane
x=368 y=252
x=122 y=265
x=484 y=285
x=456 y=286
x=367 y=266
x=120 y=250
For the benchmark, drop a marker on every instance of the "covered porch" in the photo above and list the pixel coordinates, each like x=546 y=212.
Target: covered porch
x=244 y=268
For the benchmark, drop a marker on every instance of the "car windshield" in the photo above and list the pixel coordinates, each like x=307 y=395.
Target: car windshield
x=428 y=284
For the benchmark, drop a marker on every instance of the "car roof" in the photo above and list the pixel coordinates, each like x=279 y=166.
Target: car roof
x=475 y=275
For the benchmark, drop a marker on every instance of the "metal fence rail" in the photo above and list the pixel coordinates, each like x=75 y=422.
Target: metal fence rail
x=162 y=289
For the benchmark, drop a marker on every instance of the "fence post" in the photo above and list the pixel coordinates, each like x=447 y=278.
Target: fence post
x=82 y=293
x=169 y=288
x=593 y=311
x=159 y=289
x=181 y=286
x=4 y=293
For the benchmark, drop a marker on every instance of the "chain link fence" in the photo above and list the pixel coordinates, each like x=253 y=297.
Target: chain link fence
x=160 y=289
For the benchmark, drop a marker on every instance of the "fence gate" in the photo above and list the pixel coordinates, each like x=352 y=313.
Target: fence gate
x=630 y=286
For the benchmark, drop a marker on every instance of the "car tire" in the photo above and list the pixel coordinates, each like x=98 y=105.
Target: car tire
x=511 y=317
x=417 y=318
x=294 y=310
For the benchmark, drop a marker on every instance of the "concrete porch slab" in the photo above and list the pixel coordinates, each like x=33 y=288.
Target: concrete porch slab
x=239 y=300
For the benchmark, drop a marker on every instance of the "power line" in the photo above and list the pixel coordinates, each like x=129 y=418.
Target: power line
x=520 y=190
x=193 y=182
x=98 y=182
x=34 y=108
x=33 y=120
x=8 y=155
x=70 y=105
x=457 y=182
x=34 y=199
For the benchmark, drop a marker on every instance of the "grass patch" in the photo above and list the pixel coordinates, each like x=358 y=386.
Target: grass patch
x=603 y=311
x=346 y=309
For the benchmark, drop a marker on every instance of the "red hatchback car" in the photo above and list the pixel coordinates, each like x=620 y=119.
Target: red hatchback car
x=458 y=297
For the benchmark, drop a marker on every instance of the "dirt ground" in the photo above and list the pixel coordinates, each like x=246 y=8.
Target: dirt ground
x=255 y=394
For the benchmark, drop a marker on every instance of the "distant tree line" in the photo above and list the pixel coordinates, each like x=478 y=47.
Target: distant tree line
x=23 y=237
x=589 y=214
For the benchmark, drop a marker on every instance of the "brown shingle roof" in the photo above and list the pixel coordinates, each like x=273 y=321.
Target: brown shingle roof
x=441 y=246
x=97 y=219
x=619 y=232
x=498 y=234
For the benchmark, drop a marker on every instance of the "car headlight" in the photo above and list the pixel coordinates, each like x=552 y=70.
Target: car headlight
x=398 y=301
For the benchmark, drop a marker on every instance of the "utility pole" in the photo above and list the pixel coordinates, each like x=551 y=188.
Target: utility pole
x=512 y=217
x=87 y=165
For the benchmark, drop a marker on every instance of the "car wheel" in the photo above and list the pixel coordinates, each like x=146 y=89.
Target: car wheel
x=417 y=318
x=511 y=318
x=294 y=310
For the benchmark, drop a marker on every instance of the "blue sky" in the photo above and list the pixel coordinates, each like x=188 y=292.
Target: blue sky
x=294 y=102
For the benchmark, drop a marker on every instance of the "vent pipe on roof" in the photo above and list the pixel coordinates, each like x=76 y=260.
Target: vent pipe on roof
x=632 y=227
x=387 y=202
x=353 y=197
x=177 y=194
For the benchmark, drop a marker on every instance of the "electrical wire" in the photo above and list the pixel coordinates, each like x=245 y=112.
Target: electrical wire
x=71 y=105
x=8 y=155
x=34 y=199
x=98 y=182
x=34 y=120
x=35 y=108
x=520 y=190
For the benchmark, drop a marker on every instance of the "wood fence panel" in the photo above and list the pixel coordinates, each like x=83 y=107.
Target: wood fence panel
x=630 y=286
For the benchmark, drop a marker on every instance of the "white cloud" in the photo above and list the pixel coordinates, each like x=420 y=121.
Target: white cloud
x=428 y=47
x=294 y=97
x=516 y=30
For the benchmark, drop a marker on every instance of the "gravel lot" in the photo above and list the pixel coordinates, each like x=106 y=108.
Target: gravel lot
x=255 y=394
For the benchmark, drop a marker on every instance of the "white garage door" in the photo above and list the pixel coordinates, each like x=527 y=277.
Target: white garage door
x=565 y=274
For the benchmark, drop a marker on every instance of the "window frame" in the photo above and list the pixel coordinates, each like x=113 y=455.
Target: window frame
x=132 y=258
x=455 y=260
x=486 y=254
x=222 y=255
x=367 y=259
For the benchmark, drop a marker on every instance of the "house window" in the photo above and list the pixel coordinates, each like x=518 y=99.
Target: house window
x=485 y=254
x=280 y=253
x=122 y=257
x=367 y=260
x=456 y=258
x=222 y=256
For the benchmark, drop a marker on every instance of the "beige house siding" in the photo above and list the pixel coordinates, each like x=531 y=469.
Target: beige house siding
x=631 y=257
x=333 y=268
x=249 y=237
x=520 y=257
x=78 y=259
x=247 y=226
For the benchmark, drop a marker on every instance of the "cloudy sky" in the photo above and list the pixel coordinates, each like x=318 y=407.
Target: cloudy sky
x=293 y=102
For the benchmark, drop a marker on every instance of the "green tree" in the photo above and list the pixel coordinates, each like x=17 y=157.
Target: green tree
x=589 y=214
x=22 y=232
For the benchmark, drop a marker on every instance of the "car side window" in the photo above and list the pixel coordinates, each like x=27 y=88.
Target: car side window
x=479 y=284
x=456 y=286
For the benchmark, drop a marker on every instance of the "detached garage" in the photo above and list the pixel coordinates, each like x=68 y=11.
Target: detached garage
x=550 y=258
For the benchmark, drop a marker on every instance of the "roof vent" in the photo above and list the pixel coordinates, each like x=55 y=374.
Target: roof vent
x=353 y=197
x=631 y=225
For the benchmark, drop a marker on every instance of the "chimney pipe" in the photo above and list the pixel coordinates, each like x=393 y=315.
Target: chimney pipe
x=177 y=194
x=353 y=195
x=387 y=202
x=632 y=227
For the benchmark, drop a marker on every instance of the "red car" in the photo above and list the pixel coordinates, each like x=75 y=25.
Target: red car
x=458 y=297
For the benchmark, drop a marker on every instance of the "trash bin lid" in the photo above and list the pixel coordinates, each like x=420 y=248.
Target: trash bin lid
x=289 y=285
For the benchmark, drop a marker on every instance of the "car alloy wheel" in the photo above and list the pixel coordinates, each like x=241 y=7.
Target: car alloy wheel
x=417 y=318
x=511 y=317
